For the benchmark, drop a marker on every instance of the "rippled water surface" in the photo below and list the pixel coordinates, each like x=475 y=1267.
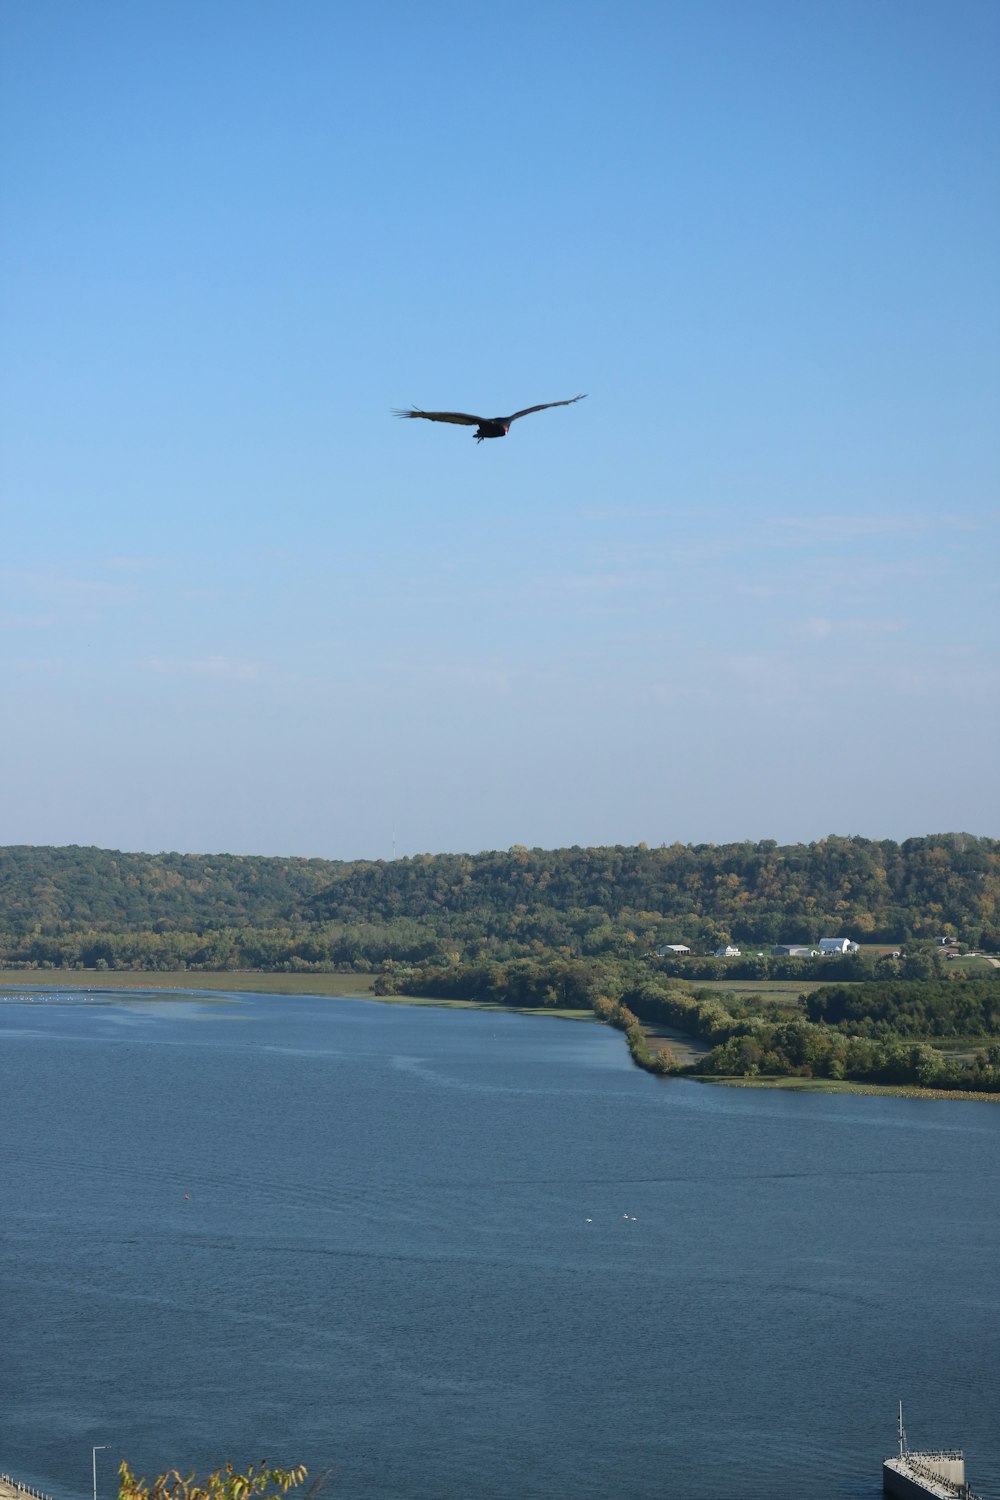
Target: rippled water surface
x=464 y=1254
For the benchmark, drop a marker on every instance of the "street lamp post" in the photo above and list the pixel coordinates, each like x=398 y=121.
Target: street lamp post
x=94 y=1457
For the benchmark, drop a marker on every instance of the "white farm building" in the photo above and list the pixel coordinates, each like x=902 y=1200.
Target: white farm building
x=837 y=945
x=671 y=948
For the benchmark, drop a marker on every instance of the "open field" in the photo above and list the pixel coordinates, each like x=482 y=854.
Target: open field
x=783 y=992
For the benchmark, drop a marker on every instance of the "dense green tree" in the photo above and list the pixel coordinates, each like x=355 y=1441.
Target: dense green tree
x=910 y=1008
x=753 y=892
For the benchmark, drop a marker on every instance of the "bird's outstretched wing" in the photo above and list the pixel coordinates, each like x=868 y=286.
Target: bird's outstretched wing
x=544 y=407
x=461 y=417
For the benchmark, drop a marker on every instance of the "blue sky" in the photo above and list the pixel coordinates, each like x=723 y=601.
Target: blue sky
x=748 y=589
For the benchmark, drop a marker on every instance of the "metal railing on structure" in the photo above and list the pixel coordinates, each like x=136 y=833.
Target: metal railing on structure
x=24 y=1489
x=925 y=1471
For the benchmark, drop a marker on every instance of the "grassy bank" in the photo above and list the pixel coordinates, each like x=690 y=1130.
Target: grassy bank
x=335 y=986
x=845 y=1086
x=357 y=985
x=686 y=1049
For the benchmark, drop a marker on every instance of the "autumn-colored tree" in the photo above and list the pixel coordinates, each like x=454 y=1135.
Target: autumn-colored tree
x=258 y=1483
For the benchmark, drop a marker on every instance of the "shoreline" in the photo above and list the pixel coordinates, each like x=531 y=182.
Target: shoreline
x=847 y=1086
x=360 y=987
x=253 y=982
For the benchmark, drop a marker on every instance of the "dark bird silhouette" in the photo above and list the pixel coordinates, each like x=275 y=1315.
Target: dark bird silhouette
x=488 y=427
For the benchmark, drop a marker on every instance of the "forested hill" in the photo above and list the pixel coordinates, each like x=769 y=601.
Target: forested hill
x=53 y=889
x=697 y=894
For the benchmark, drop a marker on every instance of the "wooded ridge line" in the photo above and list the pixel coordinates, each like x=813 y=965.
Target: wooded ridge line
x=617 y=899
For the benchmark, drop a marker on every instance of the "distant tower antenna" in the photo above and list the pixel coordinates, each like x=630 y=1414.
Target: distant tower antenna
x=394 y=843
x=902 y=1433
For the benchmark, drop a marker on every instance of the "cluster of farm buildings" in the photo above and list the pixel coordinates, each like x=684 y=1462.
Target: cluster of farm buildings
x=783 y=950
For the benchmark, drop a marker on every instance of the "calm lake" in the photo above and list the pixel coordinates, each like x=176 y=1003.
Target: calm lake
x=453 y=1254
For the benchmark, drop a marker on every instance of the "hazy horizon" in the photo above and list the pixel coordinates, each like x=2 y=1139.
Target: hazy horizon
x=747 y=589
x=506 y=848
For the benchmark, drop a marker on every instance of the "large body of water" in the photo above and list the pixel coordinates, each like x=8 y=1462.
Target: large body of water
x=453 y=1255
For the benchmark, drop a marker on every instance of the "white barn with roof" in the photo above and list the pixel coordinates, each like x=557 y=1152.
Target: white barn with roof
x=837 y=945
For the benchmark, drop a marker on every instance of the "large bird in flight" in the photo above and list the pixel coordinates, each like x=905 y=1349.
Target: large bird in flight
x=488 y=427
